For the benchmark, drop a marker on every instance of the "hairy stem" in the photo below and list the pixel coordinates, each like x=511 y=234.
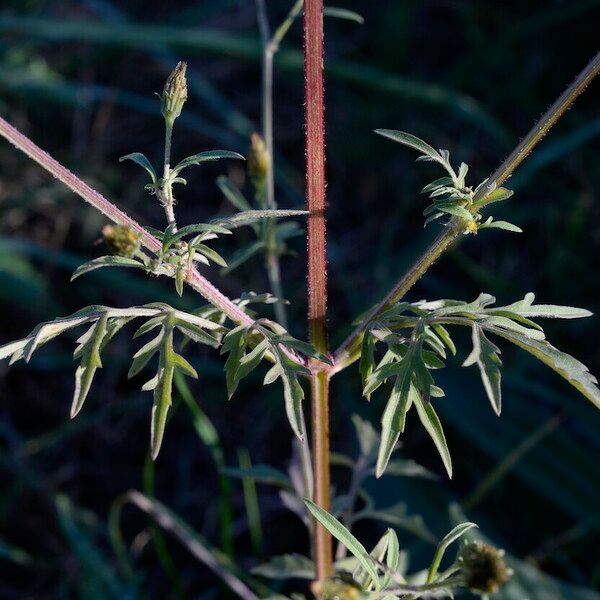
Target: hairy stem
x=167 y=189
x=317 y=269
x=199 y=283
x=349 y=351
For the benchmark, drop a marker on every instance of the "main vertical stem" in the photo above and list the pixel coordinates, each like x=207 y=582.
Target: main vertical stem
x=317 y=269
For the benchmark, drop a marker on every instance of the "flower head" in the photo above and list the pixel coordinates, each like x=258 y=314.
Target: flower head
x=483 y=567
x=121 y=240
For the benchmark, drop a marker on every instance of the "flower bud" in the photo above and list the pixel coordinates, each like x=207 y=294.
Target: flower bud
x=121 y=240
x=483 y=567
x=175 y=93
x=258 y=162
x=339 y=587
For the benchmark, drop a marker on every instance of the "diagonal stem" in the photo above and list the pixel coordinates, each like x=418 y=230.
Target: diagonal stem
x=199 y=283
x=349 y=350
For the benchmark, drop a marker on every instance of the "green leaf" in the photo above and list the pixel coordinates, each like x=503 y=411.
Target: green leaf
x=234 y=343
x=233 y=194
x=448 y=539
x=412 y=142
x=210 y=254
x=393 y=420
x=433 y=426
x=526 y=308
x=572 y=370
x=249 y=217
x=343 y=13
x=340 y=533
x=140 y=159
x=264 y=474
x=496 y=195
x=89 y=348
x=201 y=157
x=505 y=225
x=487 y=357
x=171 y=237
x=239 y=257
x=107 y=261
x=287 y=566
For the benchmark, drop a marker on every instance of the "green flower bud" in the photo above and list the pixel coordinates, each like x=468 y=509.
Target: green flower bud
x=483 y=567
x=258 y=162
x=121 y=240
x=175 y=93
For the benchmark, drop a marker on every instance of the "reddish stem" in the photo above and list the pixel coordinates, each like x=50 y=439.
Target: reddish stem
x=317 y=269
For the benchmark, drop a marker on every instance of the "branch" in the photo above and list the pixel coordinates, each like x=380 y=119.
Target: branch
x=349 y=351
x=199 y=283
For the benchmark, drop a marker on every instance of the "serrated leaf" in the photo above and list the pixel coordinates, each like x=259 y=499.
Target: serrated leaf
x=107 y=261
x=201 y=157
x=487 y=357
x=340 y=533
x=142 y=161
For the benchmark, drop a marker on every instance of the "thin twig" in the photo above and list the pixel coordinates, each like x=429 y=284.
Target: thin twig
x=348 y=352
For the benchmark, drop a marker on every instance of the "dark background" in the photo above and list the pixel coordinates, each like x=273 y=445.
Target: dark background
x=470 y=76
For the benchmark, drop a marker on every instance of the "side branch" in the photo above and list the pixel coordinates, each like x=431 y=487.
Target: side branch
x=349 y=351
x=107 y=208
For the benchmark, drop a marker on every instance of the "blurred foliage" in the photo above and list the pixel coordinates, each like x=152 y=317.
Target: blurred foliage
x=472 y=76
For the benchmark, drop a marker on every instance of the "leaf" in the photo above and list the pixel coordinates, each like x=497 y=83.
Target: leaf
x=201 y=157
x=339 y=532
x=169 y=362
x=170 y=237
x=397 y=515
x=140 y=159
x=574 y=371
x=261 y=474
x=233 y=343
x=505 y=225
x=393 y=420
x=343 y=13
x=487 y=357
x=250 y=217
x=233 y=194
x=239 y=257
x=526 y=308
x=89 y=352
x=448 y=539
x=433 y=426
x=107 y=261
x=412 y=142
x=287 y=566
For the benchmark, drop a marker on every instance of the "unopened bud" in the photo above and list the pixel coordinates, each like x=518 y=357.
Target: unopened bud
x=121 y=240
x=175 y=93
x=258 y=161
x=483 y=567
x=339 y=587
